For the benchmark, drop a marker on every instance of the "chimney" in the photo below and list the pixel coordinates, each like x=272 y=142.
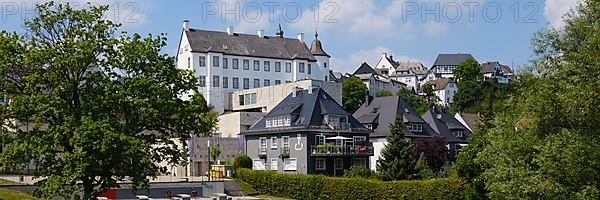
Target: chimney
x=230 y=30
x=368 y=99
x=384 y=55
x=301 y=37
x=260 y=33
x=391 y=57
x=186 y=25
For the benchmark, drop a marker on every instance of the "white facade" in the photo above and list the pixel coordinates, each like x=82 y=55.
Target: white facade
x=376 y=83
x=378 y=145
x=446 y=95
x=221 y=75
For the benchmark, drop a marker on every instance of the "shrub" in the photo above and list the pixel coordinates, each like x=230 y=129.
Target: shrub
x=358 y=172
x=242 y=161
x=298 y=186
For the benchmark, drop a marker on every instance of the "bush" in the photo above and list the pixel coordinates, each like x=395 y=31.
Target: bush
x=298 y=186
x=358 y=172
x=242 y=161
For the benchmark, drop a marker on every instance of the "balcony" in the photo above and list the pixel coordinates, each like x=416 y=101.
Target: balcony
x=285 y=152
x=262 y=152
x=342 y=150
x=339 y=125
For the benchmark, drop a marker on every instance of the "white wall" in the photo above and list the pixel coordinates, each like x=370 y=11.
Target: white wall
x=378 y=145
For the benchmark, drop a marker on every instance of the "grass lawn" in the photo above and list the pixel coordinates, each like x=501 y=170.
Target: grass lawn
x=6 y=194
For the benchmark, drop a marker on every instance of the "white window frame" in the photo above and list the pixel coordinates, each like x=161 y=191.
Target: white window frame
x=260 y=143
x=357 y=139
x=318 y=139
x=290 y=167
x=339 y=166
x=319 y=160
x=274 y=142
x=255 y=167
x=285 y=141
x=274 y=164
x=269 y=124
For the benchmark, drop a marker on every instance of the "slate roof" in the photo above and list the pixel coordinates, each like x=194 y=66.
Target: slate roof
x=443 y=123
x=439 y=84
x=204 y=41
x=307 y=112
x=385 y=110
x=414 y=66
x=451 y=59
x=364 y=69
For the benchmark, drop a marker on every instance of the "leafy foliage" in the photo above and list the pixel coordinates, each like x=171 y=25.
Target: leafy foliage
x=93 y=107
x=434 y=149
x=299 y=186
x=384 y=93
x=215 y=152
x=242 y=161
x=354 y=92
x=397 y=157
x=468 y=80
x=420 y=105
x=358 y=172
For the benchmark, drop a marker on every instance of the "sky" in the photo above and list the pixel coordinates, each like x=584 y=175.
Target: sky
x=351 y=31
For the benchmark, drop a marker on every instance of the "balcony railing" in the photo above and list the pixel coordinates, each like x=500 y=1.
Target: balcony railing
x=262 y=152
x=285 y=152
x=342 y=150
x=339 y=125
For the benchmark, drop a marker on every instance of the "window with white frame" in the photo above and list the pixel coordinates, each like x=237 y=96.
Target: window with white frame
x=215 y=61
x=225 y=63
x=459 y=133
x=274 y=164
x=320 y=164
x=267 y=66
x=339 y=163
x=273 y=142
x=263 y=144
x=288 y=67
x=359 y=139
x=319 y=139
x=235 y=63
x=256 y=65
x=290 y=164
x=246 y=64
x=277 y=66
x=285 y=141
x=415 y=127
x=202 y=61
x=301 y=67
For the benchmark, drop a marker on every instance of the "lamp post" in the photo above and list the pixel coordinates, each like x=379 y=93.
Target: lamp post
x=208 y=147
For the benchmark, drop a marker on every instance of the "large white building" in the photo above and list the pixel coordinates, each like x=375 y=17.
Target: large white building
x=376 y=81
x=408 y=72
x=225 y=62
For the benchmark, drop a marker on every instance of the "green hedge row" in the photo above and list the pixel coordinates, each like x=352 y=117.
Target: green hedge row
x=298 y=186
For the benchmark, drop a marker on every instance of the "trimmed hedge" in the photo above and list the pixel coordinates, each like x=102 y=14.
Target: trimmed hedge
x=298 y=186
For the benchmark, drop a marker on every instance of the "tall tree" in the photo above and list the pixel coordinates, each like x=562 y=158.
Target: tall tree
x=468 y=80
x=397 y=160
x=92 y=107
x=547 y=146
x=354 y=92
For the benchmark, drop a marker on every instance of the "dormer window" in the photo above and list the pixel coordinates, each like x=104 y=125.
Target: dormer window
x=278 y=121
x=415 y=127
x=459 y=133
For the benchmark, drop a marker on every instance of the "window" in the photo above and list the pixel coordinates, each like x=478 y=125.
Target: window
x=274 y=164
x=267 y=82
x=359 y=162
x=236 y=82
x=459 y=133
x=277 y=82
x=247 y=99
x=225 y=82
x=339 y=163
x=414 y=127
x=215 y=61
x=320 y=163
x=273 y=142
x=236 y=63
x=202 y=61
x=359 y=139
x=263 y=145
x=215 y=81
x=267 y=66
x=202 y=80
x=246 y=83
x=256 y=83
x=290 y=164
x=285 y=141
x=225 y=63
x=301 y=67
x=325 y=65
x=277 y=67
x=256 y=65
x=268 y=123
x=188 y=64
x=288 y=67
x=309 y=68
x=246 y=64
x=287 y=81
x=370 y=126
x=319 y=139
x=258 y=164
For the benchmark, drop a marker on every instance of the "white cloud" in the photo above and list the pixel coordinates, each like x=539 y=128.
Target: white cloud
x=371 y=56
x=554 y=10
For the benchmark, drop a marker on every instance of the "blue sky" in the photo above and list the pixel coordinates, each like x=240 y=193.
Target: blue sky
x=352 y=31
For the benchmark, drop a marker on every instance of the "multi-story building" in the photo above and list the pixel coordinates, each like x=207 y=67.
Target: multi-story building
x=408 y=72
x=446 y=63
x=443 y=90
x=308 y=133
x=375 y=81
x=379 y=113
x=225 y=62
x=495 y=70
x=450 y=128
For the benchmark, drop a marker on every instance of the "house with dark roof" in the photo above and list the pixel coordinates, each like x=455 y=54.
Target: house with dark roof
x=377 y=114
x=499 y=72
x=227 y=61
x=444 y=64
x=450 y=128
x=469 y=120
x=308 y=133
x=376 y=81
x=444 y=90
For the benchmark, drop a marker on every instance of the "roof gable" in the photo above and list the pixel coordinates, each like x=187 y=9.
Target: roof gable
x=451 y=59
x=364 y=69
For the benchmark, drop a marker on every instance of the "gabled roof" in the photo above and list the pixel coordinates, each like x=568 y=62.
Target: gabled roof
x=364 y=69
x=204 y=41
x=306 y=110
x=471 y=119
x=414 y=66
x=439 y=84
x=490 y=67
x=385 y=110
x=443 y=123
x=451 y=59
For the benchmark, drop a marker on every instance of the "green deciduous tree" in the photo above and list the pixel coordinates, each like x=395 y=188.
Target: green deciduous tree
x=354 y=92
x=397 y=160
x=468 y=80
x=384 y=93
x=242 y=161
x=93 y=107
x=419 y=104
